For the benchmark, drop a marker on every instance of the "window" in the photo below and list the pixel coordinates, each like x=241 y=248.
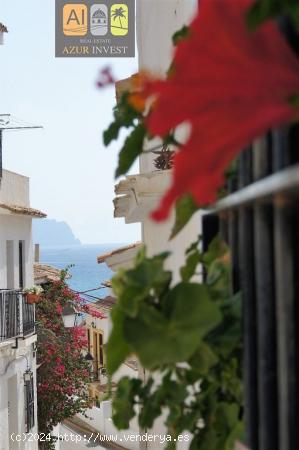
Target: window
x=21 y=264
x=101 y=350
x=29 y=401
x=98 y=352
x=10 y=279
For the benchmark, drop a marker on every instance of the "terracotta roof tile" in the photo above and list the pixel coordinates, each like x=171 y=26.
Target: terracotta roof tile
x=106 y=303
x=44 y=273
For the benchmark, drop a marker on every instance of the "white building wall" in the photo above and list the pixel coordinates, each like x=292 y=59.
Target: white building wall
x=15 y=229
x=14 y=190
x=157 y=21
x=13 y=364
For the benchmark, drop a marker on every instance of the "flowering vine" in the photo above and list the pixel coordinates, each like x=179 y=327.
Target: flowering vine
x=63 y=374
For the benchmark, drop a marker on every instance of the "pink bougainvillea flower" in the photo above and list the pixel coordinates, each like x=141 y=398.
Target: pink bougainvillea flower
x=93 y=311
x=231 y=85
x=59 y=308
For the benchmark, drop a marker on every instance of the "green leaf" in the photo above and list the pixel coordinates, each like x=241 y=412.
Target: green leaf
x=117 y=348
x=168 y=392
x=150 y=411
x=221 y=423
x=132 y=148
x=128 y=294
x=229 y=413
x=260 y=11
x=294 y=101
x=112 y=132
x=173 y=336
x=148 y=272
x=140 y=255
x=263 y=10
x=180 y=35
x=184 y=209
x=236 y=434
x=203 y=359
x=189 y=269
x=124 y=117
x=194 y=257
x=226 y=337
x=123 y=402
x=216 y=250
x=134 y=285
x=145 y=334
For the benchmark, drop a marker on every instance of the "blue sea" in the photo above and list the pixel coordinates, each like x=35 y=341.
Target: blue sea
x=87 y=274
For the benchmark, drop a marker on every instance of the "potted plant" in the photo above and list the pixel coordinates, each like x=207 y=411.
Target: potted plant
x=33 y=294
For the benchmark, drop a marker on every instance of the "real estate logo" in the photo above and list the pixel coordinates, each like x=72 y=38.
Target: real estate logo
x=92 y=29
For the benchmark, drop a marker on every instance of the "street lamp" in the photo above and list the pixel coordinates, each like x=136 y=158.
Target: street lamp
x=28 y=376
x=89 y=359
x=69 y=315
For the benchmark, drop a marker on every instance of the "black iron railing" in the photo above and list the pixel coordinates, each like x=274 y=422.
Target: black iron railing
x=28 y=317
x=260 y=221
x=17 y=317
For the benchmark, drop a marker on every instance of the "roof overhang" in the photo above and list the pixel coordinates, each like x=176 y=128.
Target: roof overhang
x=138 y=195
x=8 y=209
x=121 y=258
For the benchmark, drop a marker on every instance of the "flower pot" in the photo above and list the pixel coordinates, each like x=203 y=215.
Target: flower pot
x=32 y=298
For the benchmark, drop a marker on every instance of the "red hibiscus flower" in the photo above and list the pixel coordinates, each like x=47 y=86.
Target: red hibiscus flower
x=232 y=85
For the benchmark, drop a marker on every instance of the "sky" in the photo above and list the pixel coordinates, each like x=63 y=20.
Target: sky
x=71 y=172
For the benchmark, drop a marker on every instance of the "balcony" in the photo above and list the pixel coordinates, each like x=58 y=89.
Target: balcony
x=17 y=317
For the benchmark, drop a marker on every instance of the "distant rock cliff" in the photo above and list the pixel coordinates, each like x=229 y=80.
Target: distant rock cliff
x=50 y=233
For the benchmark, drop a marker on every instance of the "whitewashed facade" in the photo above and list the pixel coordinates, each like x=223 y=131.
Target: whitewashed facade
x=18 y=409
x=137 y=195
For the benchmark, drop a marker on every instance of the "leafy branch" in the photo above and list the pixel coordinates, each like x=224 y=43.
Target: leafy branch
x=196 y=324
x=263 y=10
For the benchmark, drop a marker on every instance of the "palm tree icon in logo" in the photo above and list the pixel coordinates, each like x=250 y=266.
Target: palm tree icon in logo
x=119 y=17
x=119 y=13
